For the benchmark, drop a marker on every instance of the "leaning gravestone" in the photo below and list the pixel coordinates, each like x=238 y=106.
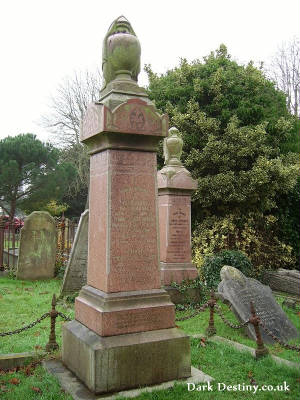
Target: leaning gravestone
x=76 y=271
x=37 y=247
x=239 y=290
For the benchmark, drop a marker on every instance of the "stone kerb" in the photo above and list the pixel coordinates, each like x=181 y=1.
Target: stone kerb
x=38 y=244
x=175 y=187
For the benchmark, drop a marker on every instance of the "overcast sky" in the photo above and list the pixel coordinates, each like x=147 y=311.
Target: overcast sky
x=43 y=41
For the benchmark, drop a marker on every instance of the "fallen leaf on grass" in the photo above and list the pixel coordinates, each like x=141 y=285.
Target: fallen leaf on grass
x=37 y=347
x=28 y=370
x=4 y=388
x=37 y=333
x=36 y=389
x=44 y=292
x=12 y=371
x=252 y=380
x=14 y=381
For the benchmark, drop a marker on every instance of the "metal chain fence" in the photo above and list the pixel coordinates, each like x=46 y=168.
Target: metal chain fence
x=25 y=328
x=276 y=339
x=227 y=322
x=211 y=304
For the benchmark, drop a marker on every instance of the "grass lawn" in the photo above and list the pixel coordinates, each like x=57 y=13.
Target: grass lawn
x=199 y=323
x=22 y=302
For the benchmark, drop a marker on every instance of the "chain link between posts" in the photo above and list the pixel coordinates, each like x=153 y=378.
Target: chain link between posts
x=254 y=320
x=276 y=339
x=200 y=309
x=227 y=322
x=25 y=328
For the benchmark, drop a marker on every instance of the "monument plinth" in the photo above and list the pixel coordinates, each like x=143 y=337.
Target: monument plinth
x=124 y=333
x=175 y=187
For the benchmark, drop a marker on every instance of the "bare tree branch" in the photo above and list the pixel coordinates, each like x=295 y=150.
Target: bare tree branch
x=68 y=106
x=284 y=70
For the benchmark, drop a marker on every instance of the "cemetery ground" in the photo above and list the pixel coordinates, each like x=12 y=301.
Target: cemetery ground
x=22 y=302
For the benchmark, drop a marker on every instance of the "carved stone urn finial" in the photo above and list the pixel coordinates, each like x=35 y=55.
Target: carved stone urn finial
x=121 y=53
x=173 y=148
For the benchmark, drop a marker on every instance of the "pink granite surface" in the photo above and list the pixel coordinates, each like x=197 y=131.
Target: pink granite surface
x=123 y=231
x=135 y=116
x=124 y=321
x=98 y=220
x=175 y=228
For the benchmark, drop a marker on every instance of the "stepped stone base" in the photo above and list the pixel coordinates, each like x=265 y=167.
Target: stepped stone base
x=109 y=314
x=110 y=364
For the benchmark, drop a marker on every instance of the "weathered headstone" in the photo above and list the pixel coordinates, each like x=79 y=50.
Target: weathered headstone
x=76 y=270
x=284 y=280
x=239 y=290
x=175 y=187
x=37 y=247
x=124 y=333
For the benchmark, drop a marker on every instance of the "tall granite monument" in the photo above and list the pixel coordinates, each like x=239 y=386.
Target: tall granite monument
x=124 y=334
x=175 y=187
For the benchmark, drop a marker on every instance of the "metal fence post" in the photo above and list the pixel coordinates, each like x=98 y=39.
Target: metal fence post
x=52 y=345
x=211 y=330
x=2 y=226
x=63 y=228
x=261 y=350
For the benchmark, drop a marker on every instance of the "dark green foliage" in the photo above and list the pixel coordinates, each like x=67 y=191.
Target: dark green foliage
x=222 y=88
x=293 y=140
x=76 y=202
x=76 y=195
x=238 y=136
x=288 y=214
x=233 y=121
x=213 y=264
x=30 y=173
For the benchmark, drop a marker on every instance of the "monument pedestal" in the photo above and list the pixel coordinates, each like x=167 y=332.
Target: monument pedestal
x=109 y=314
x=114 y=363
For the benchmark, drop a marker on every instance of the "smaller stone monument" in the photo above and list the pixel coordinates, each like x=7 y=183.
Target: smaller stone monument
x=76 y=271
x=37 y=247
x=175 y=187
x=239 y=290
